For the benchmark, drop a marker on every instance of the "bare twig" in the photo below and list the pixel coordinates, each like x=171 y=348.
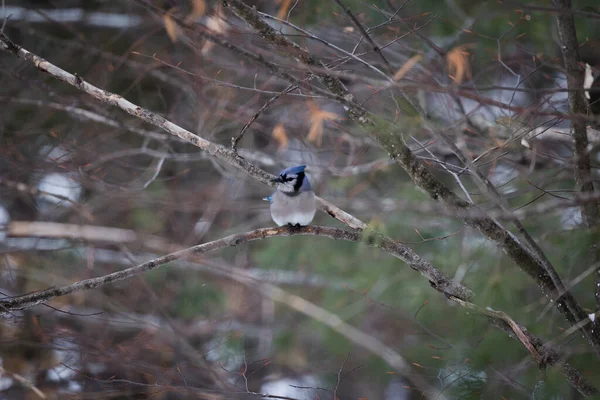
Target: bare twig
x=366 y=35
x=236 y=140
x=339 y=377
x=24 y=382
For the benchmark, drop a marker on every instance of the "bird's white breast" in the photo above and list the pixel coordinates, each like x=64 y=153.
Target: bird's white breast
x=293 y=210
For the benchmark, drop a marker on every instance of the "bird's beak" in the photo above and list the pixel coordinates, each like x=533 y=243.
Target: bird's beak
x=278 y=180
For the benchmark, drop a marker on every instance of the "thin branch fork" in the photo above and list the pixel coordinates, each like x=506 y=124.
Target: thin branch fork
x=236 y=140
x=366 y=35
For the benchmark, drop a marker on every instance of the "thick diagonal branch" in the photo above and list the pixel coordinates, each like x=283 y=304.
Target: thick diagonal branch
x=543 y=353
x=390 y=137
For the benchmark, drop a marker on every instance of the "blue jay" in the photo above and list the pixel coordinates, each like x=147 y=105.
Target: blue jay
x=293 y=202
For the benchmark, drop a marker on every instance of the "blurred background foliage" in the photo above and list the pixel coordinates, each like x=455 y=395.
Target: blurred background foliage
x=185 y=326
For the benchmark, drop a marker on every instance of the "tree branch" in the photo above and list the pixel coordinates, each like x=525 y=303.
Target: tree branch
x=578 y=105
x=331 y=81
x=386 y=134
x=438 y=279
x=390 y=137
x=541 y=354
x=236 y=140
x=383 y=133
x=365 y=35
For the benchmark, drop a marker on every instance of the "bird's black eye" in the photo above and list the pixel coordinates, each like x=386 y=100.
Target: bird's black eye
x=283 y=177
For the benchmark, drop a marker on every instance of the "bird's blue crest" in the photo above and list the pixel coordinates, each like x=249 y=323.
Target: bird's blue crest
x=293 y=170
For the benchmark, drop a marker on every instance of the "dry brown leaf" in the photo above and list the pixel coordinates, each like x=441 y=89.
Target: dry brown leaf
x=317 y=118
x=407 y=67
x=458 y=64
x=172 y=28
x=198 y=10
x=315 y=135
x=217 y=24
x=198 y=7
x=284 y=8
x=280 y=136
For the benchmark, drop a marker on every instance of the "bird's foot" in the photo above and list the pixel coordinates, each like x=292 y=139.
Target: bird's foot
x=294 y=227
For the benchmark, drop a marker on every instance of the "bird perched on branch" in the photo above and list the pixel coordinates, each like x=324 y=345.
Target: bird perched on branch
x=293 y=203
